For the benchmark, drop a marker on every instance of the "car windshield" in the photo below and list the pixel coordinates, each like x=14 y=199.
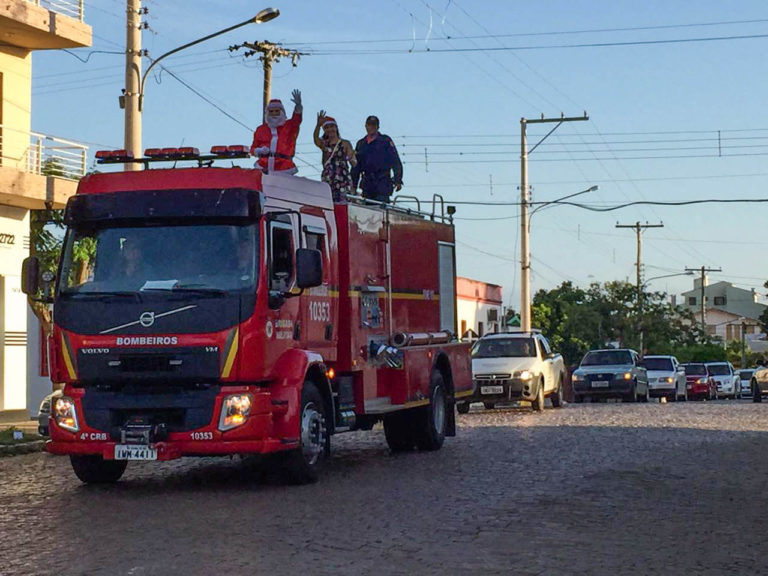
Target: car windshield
x=607 y=358
x=504 y=348
x=746 y=374
x=719 y=369
x=657 y=364
x=206 y=258
x=695 y=369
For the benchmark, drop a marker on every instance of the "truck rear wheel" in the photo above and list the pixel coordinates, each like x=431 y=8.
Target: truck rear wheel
x=557 y=397
x=399 y=430
x=432 y=419
x=93 y=469
x=462 y=408
x=303 y=466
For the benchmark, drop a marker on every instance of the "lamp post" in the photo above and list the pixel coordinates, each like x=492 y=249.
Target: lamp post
x=525 y=260
x=133 y=108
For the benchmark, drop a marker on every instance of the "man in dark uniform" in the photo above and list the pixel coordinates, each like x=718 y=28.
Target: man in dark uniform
x=377 y=158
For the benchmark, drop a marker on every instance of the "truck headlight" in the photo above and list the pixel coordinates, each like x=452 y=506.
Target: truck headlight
x=524 y=374
x=235 y=411
x=65 y=414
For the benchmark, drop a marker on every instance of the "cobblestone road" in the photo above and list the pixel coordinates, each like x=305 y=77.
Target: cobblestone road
x=589 y=489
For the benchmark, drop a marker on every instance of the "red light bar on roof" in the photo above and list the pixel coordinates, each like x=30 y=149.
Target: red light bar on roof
x=231 y=151
x=153 y=153
x=121 y=155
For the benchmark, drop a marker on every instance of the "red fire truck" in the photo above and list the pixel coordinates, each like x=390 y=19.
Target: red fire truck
x=209 y=310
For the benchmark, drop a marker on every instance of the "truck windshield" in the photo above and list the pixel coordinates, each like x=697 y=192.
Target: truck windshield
x=504 y=348
x=201 y=258
x=657 y=364
x=607 y=358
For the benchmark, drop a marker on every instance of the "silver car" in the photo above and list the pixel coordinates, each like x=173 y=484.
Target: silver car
x=728 y=382
x=745 y=379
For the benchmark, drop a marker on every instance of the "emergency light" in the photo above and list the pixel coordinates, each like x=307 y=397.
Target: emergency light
x=172 y=154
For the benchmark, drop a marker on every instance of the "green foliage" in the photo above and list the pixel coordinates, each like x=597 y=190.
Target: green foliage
x=577 y=320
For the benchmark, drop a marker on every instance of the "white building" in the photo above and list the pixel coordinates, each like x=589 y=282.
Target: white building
x=27 y=26
x=479 y=307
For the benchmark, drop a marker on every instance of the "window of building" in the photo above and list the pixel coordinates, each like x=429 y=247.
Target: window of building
x=720 y=301
x=691 y=300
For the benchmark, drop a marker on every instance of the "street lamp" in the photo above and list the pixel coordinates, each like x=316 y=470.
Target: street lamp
x=133 y=115
x=648 y=281
x=525 y=260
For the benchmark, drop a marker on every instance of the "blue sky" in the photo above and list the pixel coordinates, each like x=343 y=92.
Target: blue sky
x=671 y=119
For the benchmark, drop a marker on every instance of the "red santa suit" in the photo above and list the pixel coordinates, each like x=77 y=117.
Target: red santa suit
x=275 y=141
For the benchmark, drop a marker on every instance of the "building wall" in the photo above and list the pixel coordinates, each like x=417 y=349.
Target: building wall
x=477 y=304
x=15 y=109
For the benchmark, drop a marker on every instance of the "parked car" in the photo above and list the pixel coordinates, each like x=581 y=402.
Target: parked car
x=614 y=372
x=726 y=379
x=699 y=382
x=759 y=384
x=515 y=366
x=745 y=379
x=666 y=377
x=44 y=412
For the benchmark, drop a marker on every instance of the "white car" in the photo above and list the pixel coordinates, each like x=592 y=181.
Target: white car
x=745 y=376
x=728 y=382
x=666 y=377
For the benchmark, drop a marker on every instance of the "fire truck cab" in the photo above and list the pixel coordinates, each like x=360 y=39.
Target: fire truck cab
x=216 y=311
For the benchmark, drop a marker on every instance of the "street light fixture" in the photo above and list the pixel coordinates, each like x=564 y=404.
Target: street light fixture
x=264 y=16
x=690 y=273
x=133 y=99
x=525 y=263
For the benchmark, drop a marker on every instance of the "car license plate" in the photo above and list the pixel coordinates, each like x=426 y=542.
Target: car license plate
x=134 y=452
x=600 y=384
x=491 y=389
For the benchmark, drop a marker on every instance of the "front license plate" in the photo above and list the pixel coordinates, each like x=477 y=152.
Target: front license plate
x=600 y=384
x=134 y=452
x=491 y=389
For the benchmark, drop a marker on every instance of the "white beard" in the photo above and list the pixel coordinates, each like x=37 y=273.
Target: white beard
x=276 y=121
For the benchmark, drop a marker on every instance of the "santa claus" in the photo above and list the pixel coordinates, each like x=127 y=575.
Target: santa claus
x=274 y=142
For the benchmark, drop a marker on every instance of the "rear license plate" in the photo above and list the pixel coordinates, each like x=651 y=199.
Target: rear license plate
x=134 y=452
x=491 y=389
x=600 y=384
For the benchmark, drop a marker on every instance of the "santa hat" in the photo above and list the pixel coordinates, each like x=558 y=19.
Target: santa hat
x=329 y=121
x=275 y=103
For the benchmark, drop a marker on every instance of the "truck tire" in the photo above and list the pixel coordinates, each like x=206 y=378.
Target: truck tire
x=557 y=396
x=756 y=394
x=399 y=431
x=538 y=402
x=432 y=418
x=462 y=408
x=93 y=469
x=631 y=396
x=303 y=465
x=489 y=405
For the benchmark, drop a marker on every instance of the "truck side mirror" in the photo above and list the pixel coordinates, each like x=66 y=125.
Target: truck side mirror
x=309 y=268
x=30 y=276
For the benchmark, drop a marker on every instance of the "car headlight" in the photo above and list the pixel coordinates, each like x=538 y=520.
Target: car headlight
x=701 y=381
x=65 y=414
x=235 y=411
x=577 y=377
x=627 y=376
x=524 y=374
x=669 y=379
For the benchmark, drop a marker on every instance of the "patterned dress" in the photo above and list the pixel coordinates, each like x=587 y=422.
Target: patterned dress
x=336 y=171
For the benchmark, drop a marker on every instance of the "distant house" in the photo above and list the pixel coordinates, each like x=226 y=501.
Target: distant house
x=479 y=307
x=727 y=309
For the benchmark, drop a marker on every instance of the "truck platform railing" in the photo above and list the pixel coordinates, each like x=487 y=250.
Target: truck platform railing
x=399 y=202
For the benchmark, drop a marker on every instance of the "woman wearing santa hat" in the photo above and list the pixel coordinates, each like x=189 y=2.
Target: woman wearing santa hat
x=337 y=155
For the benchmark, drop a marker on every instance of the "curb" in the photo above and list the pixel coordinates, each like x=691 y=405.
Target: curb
x=23 y=448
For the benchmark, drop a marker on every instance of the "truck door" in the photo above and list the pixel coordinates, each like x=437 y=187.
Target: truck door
x=319 y=304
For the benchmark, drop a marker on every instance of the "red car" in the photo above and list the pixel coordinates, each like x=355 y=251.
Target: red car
x=699 y=382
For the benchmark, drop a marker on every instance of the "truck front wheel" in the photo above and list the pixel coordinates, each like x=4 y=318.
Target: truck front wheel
x=431 y=423
x=93 y=469
x=557 y=397
x=303 y=466
x=538 y=402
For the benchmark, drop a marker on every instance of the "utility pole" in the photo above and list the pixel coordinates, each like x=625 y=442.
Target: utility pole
x=525 y=255
x=703 y=270
x=130 y=99
x=639 y=264
x=269 y=53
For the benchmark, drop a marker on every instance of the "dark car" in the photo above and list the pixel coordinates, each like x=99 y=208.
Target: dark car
x=699 y=382
x=614 y=372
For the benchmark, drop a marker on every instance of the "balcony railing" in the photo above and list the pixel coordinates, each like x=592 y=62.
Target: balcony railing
x=71 y=8
x=42 y=154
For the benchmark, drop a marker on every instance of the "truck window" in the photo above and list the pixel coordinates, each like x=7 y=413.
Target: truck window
x=546 y=350
x=316 y=241
x=281 y=257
